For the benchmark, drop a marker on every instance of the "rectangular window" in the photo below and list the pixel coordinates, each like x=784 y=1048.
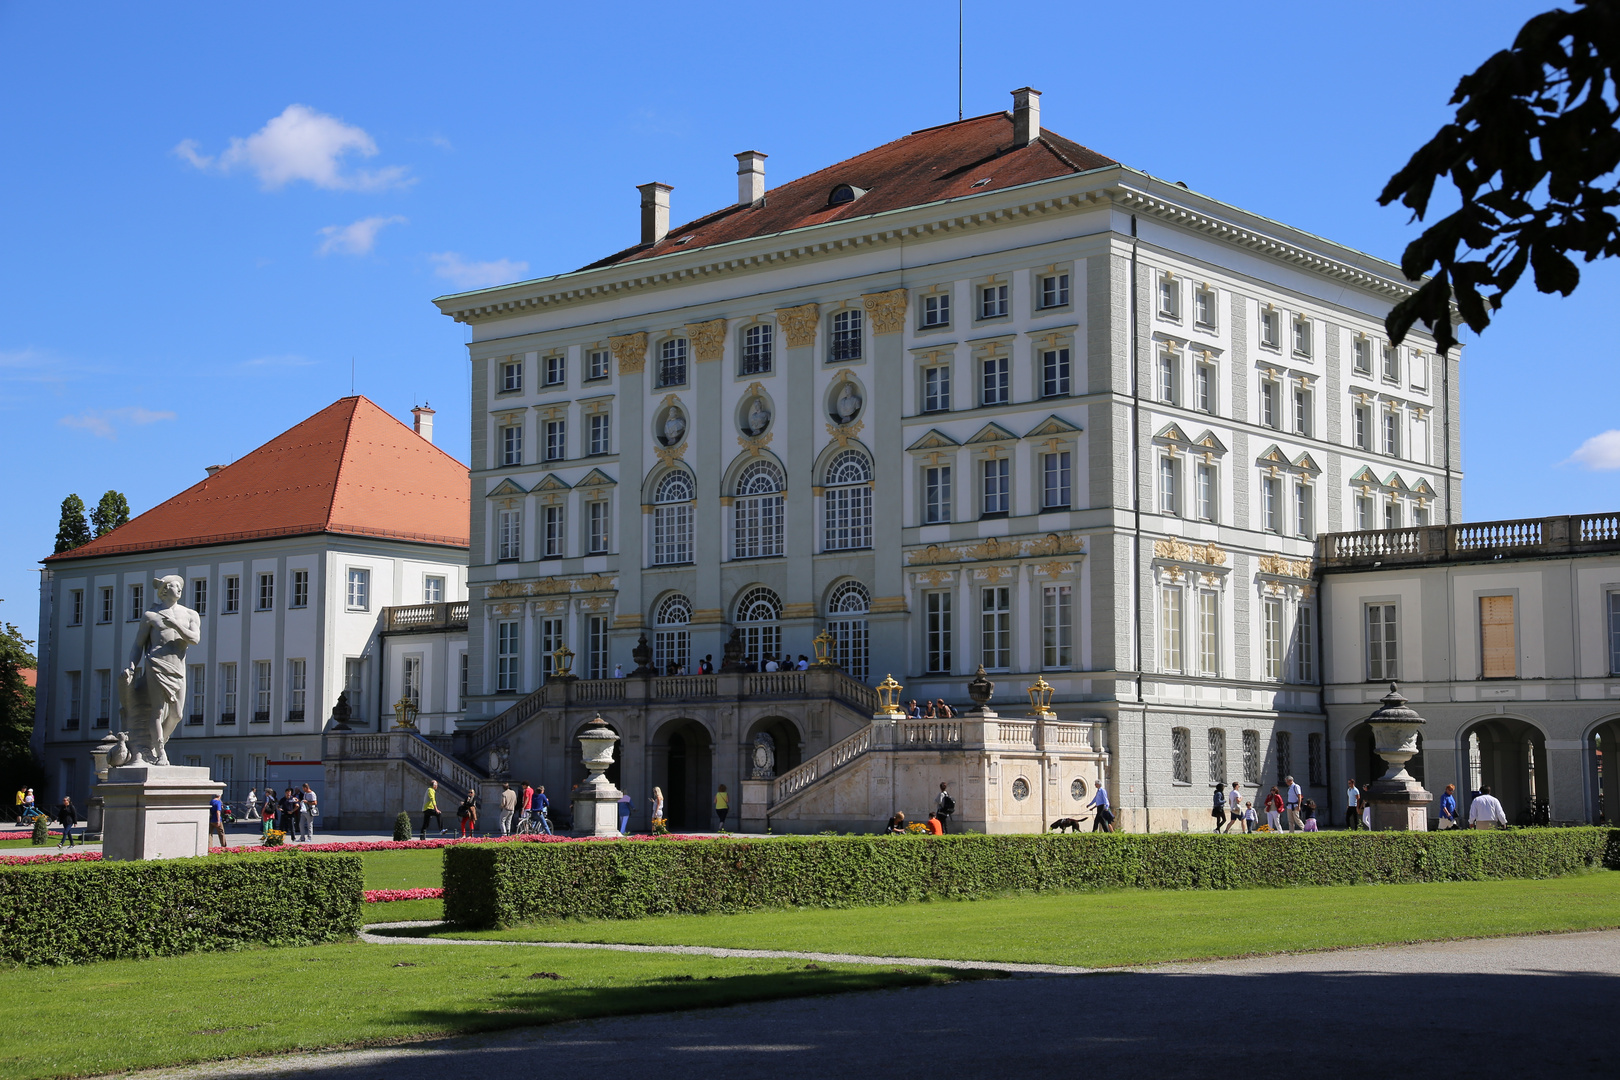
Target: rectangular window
x=672 y=362
x=75 y=698
x=354 y=686
x=1363 y=426
x=227 y=693
x=262 y=687
x=1180 y=755
x=551 y=639
x=846 y=336
x=267 y=592
x=556 y=440
x=359 y=597
x=1392 y=363
x=1274 y=639
x=512 y=445
x=1419 y=371
x=1392 y=433
x=1304 y=519
x=1170 y=629
x=1169 y=485
x=1316 y=759
x=1209 y=632
x=509 y=546
x=1614 y=633
x=1204 y=306
x=1268 y=403
x=1057 y=626
x=556 y=370
x=413 y=680
x=76 y=607
x=1420 y=514
x=1169 y=297
x=994 y=387
x=196 y=688
x=103 y=697
x=106 y=606
x=199 y=595
x=1251 y=758
x=1285 y=758
x=1498 y=649
x=995 y=627
x=1392 y=514
x=936 y=494
x=937 y=608
x=506 y=657
x=596 y=647
x=466 y=668
x=1302 y=411
x=1361 y=356
x=598 y=521
x=1271 y=328
x=937 y=389
x=432 y=589
x=512 y=377
x=1302 y=336
x=1271 y=504
x=1208 y=500
x=1305 y=644
x=601 y=427
x=551 y=518
x=1217 y=756
x=936 y=309
x=1056 y=481
x=1054 y=290
x=992 y=301
x=597 y=364
x=1364 y=512
x=1381 y=650
x=759 y=343
x=300 y=589
x=137 y=602
x=1167 y=379
x=1204 y=387
x=1054 y=372
x=297 y=684
x=997 y=474
x=233 y=594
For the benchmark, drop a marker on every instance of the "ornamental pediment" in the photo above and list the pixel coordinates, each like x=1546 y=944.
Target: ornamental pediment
x=1172 y=433
x=552 y=483
x=992 y=433
x=934 y=440
x=1208 y=443
x=1306 y=463
x=1365 y=476
x=507 y=488
x=596 y=478
x=1052 y=425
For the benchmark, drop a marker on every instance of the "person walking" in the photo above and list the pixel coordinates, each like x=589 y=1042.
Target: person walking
x=944 y=806
x=625 y=806
x=658 y=805
x=267 y=814
x=252 y=806
x=526 y=806
x=307 y=813
x=1366 y=806
x=1292 y=798
x=508 y=808
x=722 y=805
x=1251 y=820
x=541 y=806
x=1234 y=810
x=1448 y=807
x=216 y=822
x=1352 y=805
x=1218 y=810
x=1274 y=805
x=67 y=817
x=430 y=808
x=1102 y=817
x=468 y=813
x=290 y=804
x=1486 y=812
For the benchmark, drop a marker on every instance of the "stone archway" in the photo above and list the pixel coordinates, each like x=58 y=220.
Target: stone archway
x=1603 y=755
x=786 y=737
x=1509 y=756
x=681 y=764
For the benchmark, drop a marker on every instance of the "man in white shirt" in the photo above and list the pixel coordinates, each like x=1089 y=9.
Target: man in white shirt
x=1485 y=812
x=1102 y=819
x=1291 y=800
x=508 y=807
x=1352 y=804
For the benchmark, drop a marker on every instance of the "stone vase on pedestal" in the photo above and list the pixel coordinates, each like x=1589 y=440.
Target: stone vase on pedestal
x=1398 y=801
x=596 y=805
x=156 y=812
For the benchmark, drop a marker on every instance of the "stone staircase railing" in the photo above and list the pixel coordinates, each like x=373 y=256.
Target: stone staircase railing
x=821 y=766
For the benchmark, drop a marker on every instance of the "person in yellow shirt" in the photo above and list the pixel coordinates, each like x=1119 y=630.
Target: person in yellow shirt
x=722 y=803
x=430 y=808
x=20 y=796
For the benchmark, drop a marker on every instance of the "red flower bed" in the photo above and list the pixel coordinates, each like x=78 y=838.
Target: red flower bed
x=403 y=845
x=76 y=856
x=383 y=896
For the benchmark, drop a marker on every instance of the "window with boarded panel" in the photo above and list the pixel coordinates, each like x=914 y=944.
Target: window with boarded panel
x=1498 y=652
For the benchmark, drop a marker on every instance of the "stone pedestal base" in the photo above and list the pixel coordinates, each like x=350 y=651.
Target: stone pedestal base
x=596 y=812
x=1399 y=806
x=756 y=797
x=156 y=812
x=93 y=816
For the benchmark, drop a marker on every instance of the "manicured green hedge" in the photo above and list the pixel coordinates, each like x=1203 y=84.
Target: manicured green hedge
x=67 y=913
x=498 y=885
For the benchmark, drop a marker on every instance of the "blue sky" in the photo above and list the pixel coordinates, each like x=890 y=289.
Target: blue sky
x=213 y=210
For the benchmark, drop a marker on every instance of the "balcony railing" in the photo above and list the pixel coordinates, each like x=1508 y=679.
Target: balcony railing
x=420 y=617
x=1524 y=538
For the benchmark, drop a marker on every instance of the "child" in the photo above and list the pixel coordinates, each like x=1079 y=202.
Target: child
x=1251 y=820
x=1310 y=815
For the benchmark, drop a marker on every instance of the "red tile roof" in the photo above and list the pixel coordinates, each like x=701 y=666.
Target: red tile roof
x=926 y=166
x=351 y=468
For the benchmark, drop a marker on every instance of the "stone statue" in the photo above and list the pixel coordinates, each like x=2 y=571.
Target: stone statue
x=674 y=426
x=849 y=403
x=764 y=757
x=759 y=417
x=152 y=688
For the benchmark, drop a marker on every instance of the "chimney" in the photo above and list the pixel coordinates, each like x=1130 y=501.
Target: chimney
x=750 y=177
x=212 y=469
x=1026 y=116
x=424 y=421
x=654 y=211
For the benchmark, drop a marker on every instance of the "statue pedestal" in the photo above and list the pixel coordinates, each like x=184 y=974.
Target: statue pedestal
x=156 y=812
x=1399 y=805
x=751 y=810
x=94 y=810
x=596 y=811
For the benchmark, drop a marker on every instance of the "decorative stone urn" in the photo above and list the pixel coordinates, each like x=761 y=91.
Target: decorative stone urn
x=596 y=805
x=1398 y=801
x=980 y=691
x=642 y=654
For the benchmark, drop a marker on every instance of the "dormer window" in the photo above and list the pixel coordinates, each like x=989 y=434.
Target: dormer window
x=844 y=193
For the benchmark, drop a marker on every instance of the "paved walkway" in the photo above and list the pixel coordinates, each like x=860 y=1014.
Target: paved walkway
x=1530 y=1006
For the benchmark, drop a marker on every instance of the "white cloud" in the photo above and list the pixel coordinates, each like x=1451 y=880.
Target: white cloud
x=355 y=239
x=101 y=422
x=1600 y=452
x=476 y=275
x=301 y=144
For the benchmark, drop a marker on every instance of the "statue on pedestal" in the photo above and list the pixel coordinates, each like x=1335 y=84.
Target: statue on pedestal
x=152 y=687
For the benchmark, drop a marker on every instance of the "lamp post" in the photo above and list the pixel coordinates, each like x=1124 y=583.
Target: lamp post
x=888 y=692
x=405 y=713
x=824 y=643
x=1040 y=699
x=562 y=663
x=1398 y=801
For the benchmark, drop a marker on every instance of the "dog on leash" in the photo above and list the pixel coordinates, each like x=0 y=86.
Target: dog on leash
x=1065 y=824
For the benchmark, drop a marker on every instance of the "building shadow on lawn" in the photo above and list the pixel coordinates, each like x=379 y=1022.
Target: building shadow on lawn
x=1159 y=1025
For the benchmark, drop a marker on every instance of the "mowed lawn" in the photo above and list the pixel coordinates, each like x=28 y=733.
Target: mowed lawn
x=412 y=868
x=129 y=1014
x=1109 y=929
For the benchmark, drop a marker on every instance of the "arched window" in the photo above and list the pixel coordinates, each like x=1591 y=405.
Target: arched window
x=848 y=502
x=758 y=511
x=846 y=622
x=758 y=615
x=672 y=520
x=672 y=640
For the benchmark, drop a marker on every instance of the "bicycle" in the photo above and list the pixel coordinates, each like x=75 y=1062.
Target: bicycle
x=531 y=824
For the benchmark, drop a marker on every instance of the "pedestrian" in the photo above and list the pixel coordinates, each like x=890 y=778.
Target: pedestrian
x=28 y=804
x=1352 y=805
x=430 y=808
x=1274 y=805
x=1292 y=797
x=1251 y=820
x=897 y=824
x=722 y=804
x=67 y=817
x=20 y=795
x=508 y=808
x=944 y=805
x=1448 y=807
x=770 y=665
x=527 y=808
x=1102 y=819
x=307 y=813
x=541 y=805
x=936 y=827
x=658 y=805
x=804 y=662
x=1486 y=812
x=1310 y=815
x=252 y=806
x=625 y=806
x=1218 y=811
x=216 y=822
x=618 y=671
x=267 y=813
x=1366 y=806
x=468 y=813
x=1234 y=809
x=290 y=806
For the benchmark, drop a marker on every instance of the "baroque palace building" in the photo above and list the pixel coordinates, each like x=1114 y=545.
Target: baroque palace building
x=980 y=396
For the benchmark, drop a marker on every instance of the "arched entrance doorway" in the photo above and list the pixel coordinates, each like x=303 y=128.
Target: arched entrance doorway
x=785 y=742
x=1510 y=757
x=1603 y=752
x=682 y=764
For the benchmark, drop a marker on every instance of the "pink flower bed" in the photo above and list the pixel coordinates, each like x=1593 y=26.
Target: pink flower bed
x=404 y=845
x=75 y=856
x=383 y=896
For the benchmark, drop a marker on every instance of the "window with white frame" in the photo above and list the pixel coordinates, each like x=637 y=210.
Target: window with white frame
x=507 y=661
x=601 y=432
x=1057 y=627
x=1270 y=327
x=556 y=370
x=512 y=377
x=300 y=589
x=1180 y=755
x=1305 y=644
x=995 y=476
x=359 y=592
x=1251 y=758
x=1208 y=491
x=1054 y=372
x=512 y=444
x=1420 y=514
x=137 y=602
x=76 y=607
x=509 y=536
x=297 y=687
x=1382 y=655
x=596 y=647
x=75 y=697
x=1169 y=383
x=1364 y=512
x=1361 y=427
x=992 y=301
x=551 y=532
x=1304 y=516
x=1204 y=389
x=227 y=693
x=994 y=385
x=672 y=520
x=1169 y=297
x=1268 y=404
x=1361 y=356
x=672 y=362
x=1057 y=485
x=937 y=607
x=757 y=511
x=1209 y=632
x=847 y=503
x=233 y=594
x=1272 y=613
x=936 y=494
x=267 y=592
x=1169 y=485
x=263 y=686
x=759 y=615
x=1217 y=755
x=556 y=440
x=106 y=606
x=552 y=636
x=846 y=336
x=1302 y=411
x=995 y=628
x=1614 y=632
x=1392 y=432
x=1392 y=513
x=1171 y=628
x=1302 y=336
x=1204 y=306
x=1392 y=363
x=413 y=680
x=758 y=348
x=596 y=364
x=936 y=310
x=598 y=527
x=937 y=388
x=846 y=622
x=433 y=589
x=354 y=687
x=104 y=685
x=1271 y=515
x=1054 y=290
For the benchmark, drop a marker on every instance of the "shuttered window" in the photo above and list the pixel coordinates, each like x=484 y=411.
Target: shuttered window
x=1498 y=653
